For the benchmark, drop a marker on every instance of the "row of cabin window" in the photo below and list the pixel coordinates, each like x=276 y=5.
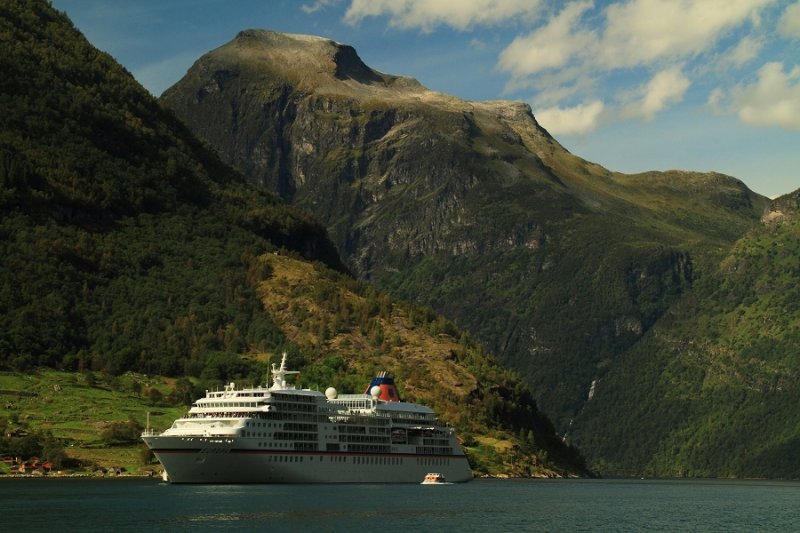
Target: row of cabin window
x=433 y=450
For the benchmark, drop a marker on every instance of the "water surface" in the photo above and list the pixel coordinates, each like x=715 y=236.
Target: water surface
x=481 y=505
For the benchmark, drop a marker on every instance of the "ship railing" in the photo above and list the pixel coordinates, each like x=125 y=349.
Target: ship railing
x=149 y=432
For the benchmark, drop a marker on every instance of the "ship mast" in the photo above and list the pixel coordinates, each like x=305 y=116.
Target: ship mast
x=279 y=374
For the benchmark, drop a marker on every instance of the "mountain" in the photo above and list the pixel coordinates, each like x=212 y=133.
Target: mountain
x=129 y=246
x=558 y=265
x=712 y=389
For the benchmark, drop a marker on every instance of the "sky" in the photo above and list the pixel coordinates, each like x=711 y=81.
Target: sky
x=634 y=85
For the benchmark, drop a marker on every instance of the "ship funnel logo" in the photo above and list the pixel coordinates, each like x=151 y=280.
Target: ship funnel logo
x=383 y=387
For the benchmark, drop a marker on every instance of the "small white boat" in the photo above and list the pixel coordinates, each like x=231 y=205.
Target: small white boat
x=434 y=478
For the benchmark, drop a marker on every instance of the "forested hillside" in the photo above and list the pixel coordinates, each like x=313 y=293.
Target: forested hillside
x=128 y=246
x=118 y=227
x=713 y=388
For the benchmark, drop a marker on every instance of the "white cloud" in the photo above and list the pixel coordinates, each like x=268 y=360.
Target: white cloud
x=553 y=86
x=477 y=44
x=428 y=14
x=744 y=52
x=628 y=35
x=789 y=23
x=550 y=46
x=557 y=86
x=716 y=100
x=640 y=32
x=575 y=120
x=317 y=5
x=772 y=100
x=666 y=87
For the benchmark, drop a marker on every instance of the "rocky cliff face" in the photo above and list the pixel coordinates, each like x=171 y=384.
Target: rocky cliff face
x=556 y=263
x=372 y=155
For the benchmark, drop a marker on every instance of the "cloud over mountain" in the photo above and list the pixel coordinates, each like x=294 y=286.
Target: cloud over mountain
x=427 y=14
x=576 y=120
x=650 y=35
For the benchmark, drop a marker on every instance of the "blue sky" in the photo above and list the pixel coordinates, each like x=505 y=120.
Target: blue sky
x=633 y=85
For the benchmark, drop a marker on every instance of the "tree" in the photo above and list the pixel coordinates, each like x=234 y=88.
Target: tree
x=118 y=433
x=154 y=395
x=182 y=393
x=146 y=455
x=26 y=446
x=53 y=451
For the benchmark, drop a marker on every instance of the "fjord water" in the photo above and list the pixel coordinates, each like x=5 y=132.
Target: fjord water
x=482 y=505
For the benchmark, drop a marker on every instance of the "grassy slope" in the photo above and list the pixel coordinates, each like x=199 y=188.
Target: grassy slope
x=76 y=412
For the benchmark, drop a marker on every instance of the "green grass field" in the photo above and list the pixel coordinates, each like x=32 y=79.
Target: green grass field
x=76 y=408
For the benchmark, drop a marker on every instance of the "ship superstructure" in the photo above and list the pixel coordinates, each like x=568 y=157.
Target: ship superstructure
x=282 y=434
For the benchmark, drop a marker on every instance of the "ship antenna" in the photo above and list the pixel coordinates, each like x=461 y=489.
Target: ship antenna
x=279 y=375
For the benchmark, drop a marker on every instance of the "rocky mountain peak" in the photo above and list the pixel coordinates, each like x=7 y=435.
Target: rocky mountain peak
x=316 y=65
x=310 y=62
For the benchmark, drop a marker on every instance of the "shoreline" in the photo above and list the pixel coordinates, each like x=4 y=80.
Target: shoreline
x=154 y=475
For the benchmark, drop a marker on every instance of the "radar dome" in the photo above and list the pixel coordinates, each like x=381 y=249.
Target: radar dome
x=330 y=393
x=375 y=391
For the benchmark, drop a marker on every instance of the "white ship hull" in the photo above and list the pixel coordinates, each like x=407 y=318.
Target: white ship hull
x=207 y=460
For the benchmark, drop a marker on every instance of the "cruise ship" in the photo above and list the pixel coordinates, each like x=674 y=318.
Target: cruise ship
x=281 y=434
